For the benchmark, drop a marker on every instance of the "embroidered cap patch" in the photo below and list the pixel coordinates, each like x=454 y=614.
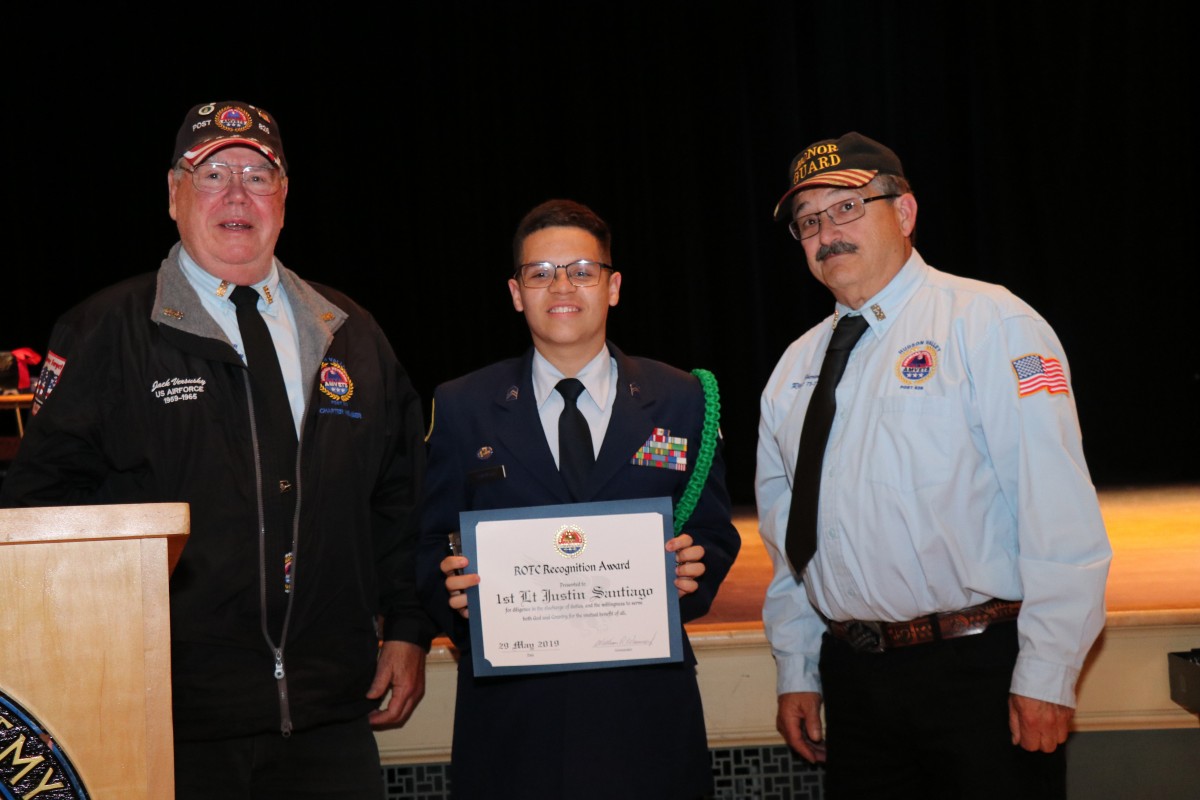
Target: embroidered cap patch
x=663 y=450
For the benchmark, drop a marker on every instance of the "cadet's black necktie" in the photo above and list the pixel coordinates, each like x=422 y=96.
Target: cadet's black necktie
x=806 y=483
x=575 y=455
x=276 y=435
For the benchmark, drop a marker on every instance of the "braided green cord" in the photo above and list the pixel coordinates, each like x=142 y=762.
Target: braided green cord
x=708 y=445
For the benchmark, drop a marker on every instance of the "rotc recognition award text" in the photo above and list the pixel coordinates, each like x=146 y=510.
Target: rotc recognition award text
x=574 y=589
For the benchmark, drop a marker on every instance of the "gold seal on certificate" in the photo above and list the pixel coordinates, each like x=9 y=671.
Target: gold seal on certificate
x=571 y=587
x=570 y=541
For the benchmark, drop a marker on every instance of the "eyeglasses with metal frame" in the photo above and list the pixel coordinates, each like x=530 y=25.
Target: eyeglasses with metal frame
x=841 y=212
x=541 y=274
x=214 y=176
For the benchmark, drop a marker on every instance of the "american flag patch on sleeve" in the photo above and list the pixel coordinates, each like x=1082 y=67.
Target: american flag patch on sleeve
x=1037 y=372
x=663 y=450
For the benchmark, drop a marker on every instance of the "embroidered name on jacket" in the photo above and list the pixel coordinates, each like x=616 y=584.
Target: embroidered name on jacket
x=663 y=450
x=175 y=390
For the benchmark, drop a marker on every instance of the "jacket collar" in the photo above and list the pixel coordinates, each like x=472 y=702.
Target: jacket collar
x=178 y=307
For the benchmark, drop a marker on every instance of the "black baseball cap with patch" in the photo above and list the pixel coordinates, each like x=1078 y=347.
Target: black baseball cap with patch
x=209 y=127
x=850 y=161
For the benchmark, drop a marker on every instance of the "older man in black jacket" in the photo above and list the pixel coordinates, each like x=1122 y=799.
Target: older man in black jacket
x=293 y=608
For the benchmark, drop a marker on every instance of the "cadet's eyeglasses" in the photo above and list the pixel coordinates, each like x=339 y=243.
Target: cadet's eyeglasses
x=541 y=274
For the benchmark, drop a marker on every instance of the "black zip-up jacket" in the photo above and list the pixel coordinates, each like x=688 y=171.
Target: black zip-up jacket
x=151 y=406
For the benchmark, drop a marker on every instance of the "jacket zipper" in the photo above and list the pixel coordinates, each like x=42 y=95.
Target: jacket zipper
x=280 y=674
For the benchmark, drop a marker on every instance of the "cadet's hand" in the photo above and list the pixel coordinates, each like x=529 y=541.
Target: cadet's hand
x=400 y=669
x=457 y=584
x=1038 y=724
x=688 y=564
x=799 y=721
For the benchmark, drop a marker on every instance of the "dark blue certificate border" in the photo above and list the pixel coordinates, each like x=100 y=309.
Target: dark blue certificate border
x=660 y=505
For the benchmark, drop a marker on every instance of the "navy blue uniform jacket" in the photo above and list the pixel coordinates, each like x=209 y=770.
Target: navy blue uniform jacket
x=629 y=732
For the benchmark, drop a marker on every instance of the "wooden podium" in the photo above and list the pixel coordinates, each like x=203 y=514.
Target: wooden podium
x=85 y=643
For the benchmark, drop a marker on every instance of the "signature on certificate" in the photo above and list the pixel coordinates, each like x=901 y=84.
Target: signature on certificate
x=625 y=642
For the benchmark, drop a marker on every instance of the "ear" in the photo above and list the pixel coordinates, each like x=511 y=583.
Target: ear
x=514 y=289
x=172 y=187
x=283 y=200
x=614 y=288
x=906 y=213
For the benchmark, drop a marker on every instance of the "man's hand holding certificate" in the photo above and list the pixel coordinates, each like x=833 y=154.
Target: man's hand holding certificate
x=579 y=586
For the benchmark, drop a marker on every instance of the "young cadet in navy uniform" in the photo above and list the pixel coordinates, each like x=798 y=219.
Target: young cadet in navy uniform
x=277 y=668
x=627 y=732
x=961 y=558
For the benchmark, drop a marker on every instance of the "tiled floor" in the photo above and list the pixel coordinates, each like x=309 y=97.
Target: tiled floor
x=744 y=773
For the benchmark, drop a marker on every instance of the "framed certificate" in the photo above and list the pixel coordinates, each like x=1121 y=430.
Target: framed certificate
x=571 y=587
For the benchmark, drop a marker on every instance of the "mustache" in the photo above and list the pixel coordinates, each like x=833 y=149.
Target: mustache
x=835 y=249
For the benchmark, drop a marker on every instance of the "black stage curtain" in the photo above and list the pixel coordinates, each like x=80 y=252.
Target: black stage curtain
x=1050 y=146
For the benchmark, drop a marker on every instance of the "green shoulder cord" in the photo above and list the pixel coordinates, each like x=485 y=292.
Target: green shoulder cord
x=708 y=445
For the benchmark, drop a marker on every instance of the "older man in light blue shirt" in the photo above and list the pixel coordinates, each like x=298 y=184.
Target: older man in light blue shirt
x=954 y=500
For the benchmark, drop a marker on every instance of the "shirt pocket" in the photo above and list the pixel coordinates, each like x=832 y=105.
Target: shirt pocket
x=913 y=443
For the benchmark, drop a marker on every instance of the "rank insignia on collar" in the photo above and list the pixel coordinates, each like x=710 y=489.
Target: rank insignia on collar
x=662 y=450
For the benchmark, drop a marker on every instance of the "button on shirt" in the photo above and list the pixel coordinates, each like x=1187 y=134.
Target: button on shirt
x=941 y=487
x=278 y=316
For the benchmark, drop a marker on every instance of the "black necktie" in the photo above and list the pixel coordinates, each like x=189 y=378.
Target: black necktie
x=575 y=454
x=275 y=431
x=806 y=483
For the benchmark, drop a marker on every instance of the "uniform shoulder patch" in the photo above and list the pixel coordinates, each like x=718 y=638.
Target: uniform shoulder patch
x=48 y=378
x=1036 y=372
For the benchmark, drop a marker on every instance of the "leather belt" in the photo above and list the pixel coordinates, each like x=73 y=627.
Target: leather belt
x=876 y=637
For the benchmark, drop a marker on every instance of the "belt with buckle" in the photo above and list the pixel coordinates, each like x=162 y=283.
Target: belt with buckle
x=876 y=637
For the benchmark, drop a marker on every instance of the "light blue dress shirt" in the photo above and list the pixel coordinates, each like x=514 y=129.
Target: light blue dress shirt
x=947 y=481
x=215 y=297
x=599 y=379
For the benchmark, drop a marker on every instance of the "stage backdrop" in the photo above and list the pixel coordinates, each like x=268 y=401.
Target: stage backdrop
x=1048 y=144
